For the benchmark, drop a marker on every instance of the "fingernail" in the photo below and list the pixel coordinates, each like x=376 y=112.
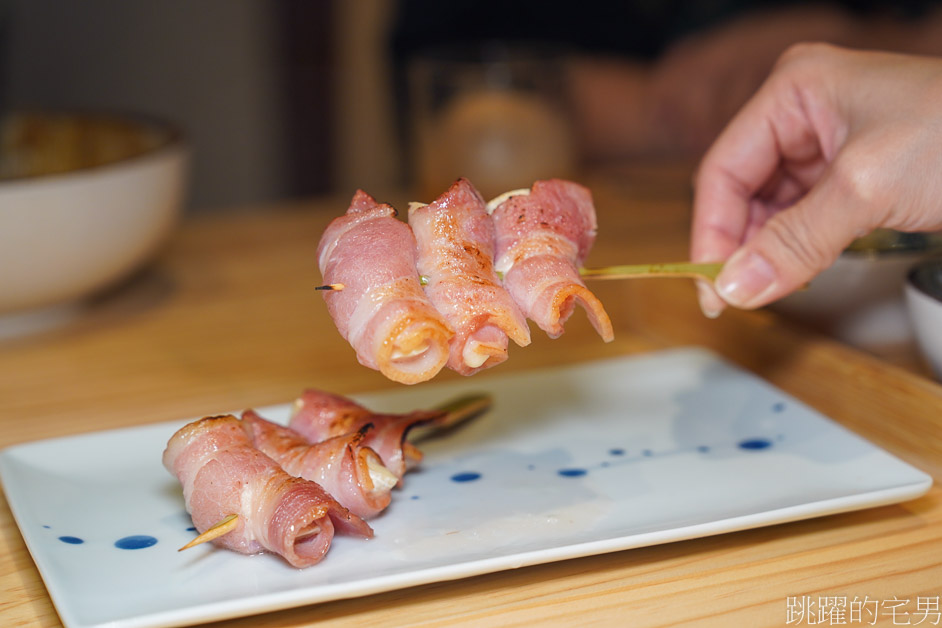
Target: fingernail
x=710 y=304
x=745 y=278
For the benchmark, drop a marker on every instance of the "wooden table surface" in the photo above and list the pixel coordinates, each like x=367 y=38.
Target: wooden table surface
x=226 y=318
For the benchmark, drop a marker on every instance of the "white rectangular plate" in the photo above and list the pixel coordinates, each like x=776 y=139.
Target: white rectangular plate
x=570 y=462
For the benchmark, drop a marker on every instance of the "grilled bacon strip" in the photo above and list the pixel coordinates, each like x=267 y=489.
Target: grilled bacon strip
x=382 y=310
x=223 y=474
x=320 y=415
x=455 y=239
x=351 y=472
x=543 y=237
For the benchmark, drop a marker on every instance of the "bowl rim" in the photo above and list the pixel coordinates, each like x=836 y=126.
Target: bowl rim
x=175 y=139
x=920 y=287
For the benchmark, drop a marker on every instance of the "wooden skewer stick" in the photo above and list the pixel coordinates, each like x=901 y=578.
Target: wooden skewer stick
x=463 y=408
x=707 y=271
x=457 y=411
x=339 y=286
x=690 y=270
x=223 y=526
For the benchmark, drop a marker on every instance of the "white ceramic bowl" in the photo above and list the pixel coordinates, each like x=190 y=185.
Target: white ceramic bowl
x=859 y=299
x=924 y=302
x=85 y=199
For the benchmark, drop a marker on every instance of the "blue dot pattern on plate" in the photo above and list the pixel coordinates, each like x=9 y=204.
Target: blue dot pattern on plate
x=71 y=540
x=136 y=541
x=749 y=444
x=466 y=476
x=572 y=473
x=755 y=443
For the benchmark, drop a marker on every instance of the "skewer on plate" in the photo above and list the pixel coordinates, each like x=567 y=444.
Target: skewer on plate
x=224 y=526
x=457 y=411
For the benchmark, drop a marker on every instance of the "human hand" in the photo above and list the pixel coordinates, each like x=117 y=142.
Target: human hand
x=833 y=145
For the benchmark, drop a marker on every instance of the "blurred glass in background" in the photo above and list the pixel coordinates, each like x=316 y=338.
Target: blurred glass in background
x=494 y=114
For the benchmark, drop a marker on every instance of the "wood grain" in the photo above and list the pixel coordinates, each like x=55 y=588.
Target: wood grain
x=227 y=317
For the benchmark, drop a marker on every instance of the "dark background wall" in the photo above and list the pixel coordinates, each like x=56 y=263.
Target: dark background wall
x=249 y=80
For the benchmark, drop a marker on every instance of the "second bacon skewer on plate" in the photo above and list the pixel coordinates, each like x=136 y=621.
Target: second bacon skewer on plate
x=240 y=481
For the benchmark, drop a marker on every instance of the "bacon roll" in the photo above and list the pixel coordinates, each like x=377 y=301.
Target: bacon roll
x=543 y=237
x=319 y=415
x=455 y=239
x=223 y=474
x=342 y=465
x=382 y=310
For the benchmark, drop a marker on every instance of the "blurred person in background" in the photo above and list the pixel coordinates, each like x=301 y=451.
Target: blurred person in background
x=659 y=79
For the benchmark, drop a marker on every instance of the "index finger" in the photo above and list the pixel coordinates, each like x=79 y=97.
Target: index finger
x=742 y=159
x=773 y=127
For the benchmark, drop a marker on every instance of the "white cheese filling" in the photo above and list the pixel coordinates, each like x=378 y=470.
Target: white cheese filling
x=495 y=202
x=398 y=354
x=383 y=479
x=471 y=356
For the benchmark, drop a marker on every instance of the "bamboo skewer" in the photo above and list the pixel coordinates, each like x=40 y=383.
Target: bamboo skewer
x=337 y=287
x=690 y=270
x=223 y=526
x=707 y=271
x=457 y=411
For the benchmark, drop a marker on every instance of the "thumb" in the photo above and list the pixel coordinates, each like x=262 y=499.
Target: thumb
x=791 y=248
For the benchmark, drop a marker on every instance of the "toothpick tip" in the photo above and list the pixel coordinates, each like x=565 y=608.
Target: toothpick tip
x=331 y=286
x=223 y=526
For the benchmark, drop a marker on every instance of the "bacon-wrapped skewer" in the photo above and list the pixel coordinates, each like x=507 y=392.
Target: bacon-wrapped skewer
x=342 y=465
x=455 y=238
x=224 y=475
x=320 y=415
x=382 y=310
x=543 y=236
